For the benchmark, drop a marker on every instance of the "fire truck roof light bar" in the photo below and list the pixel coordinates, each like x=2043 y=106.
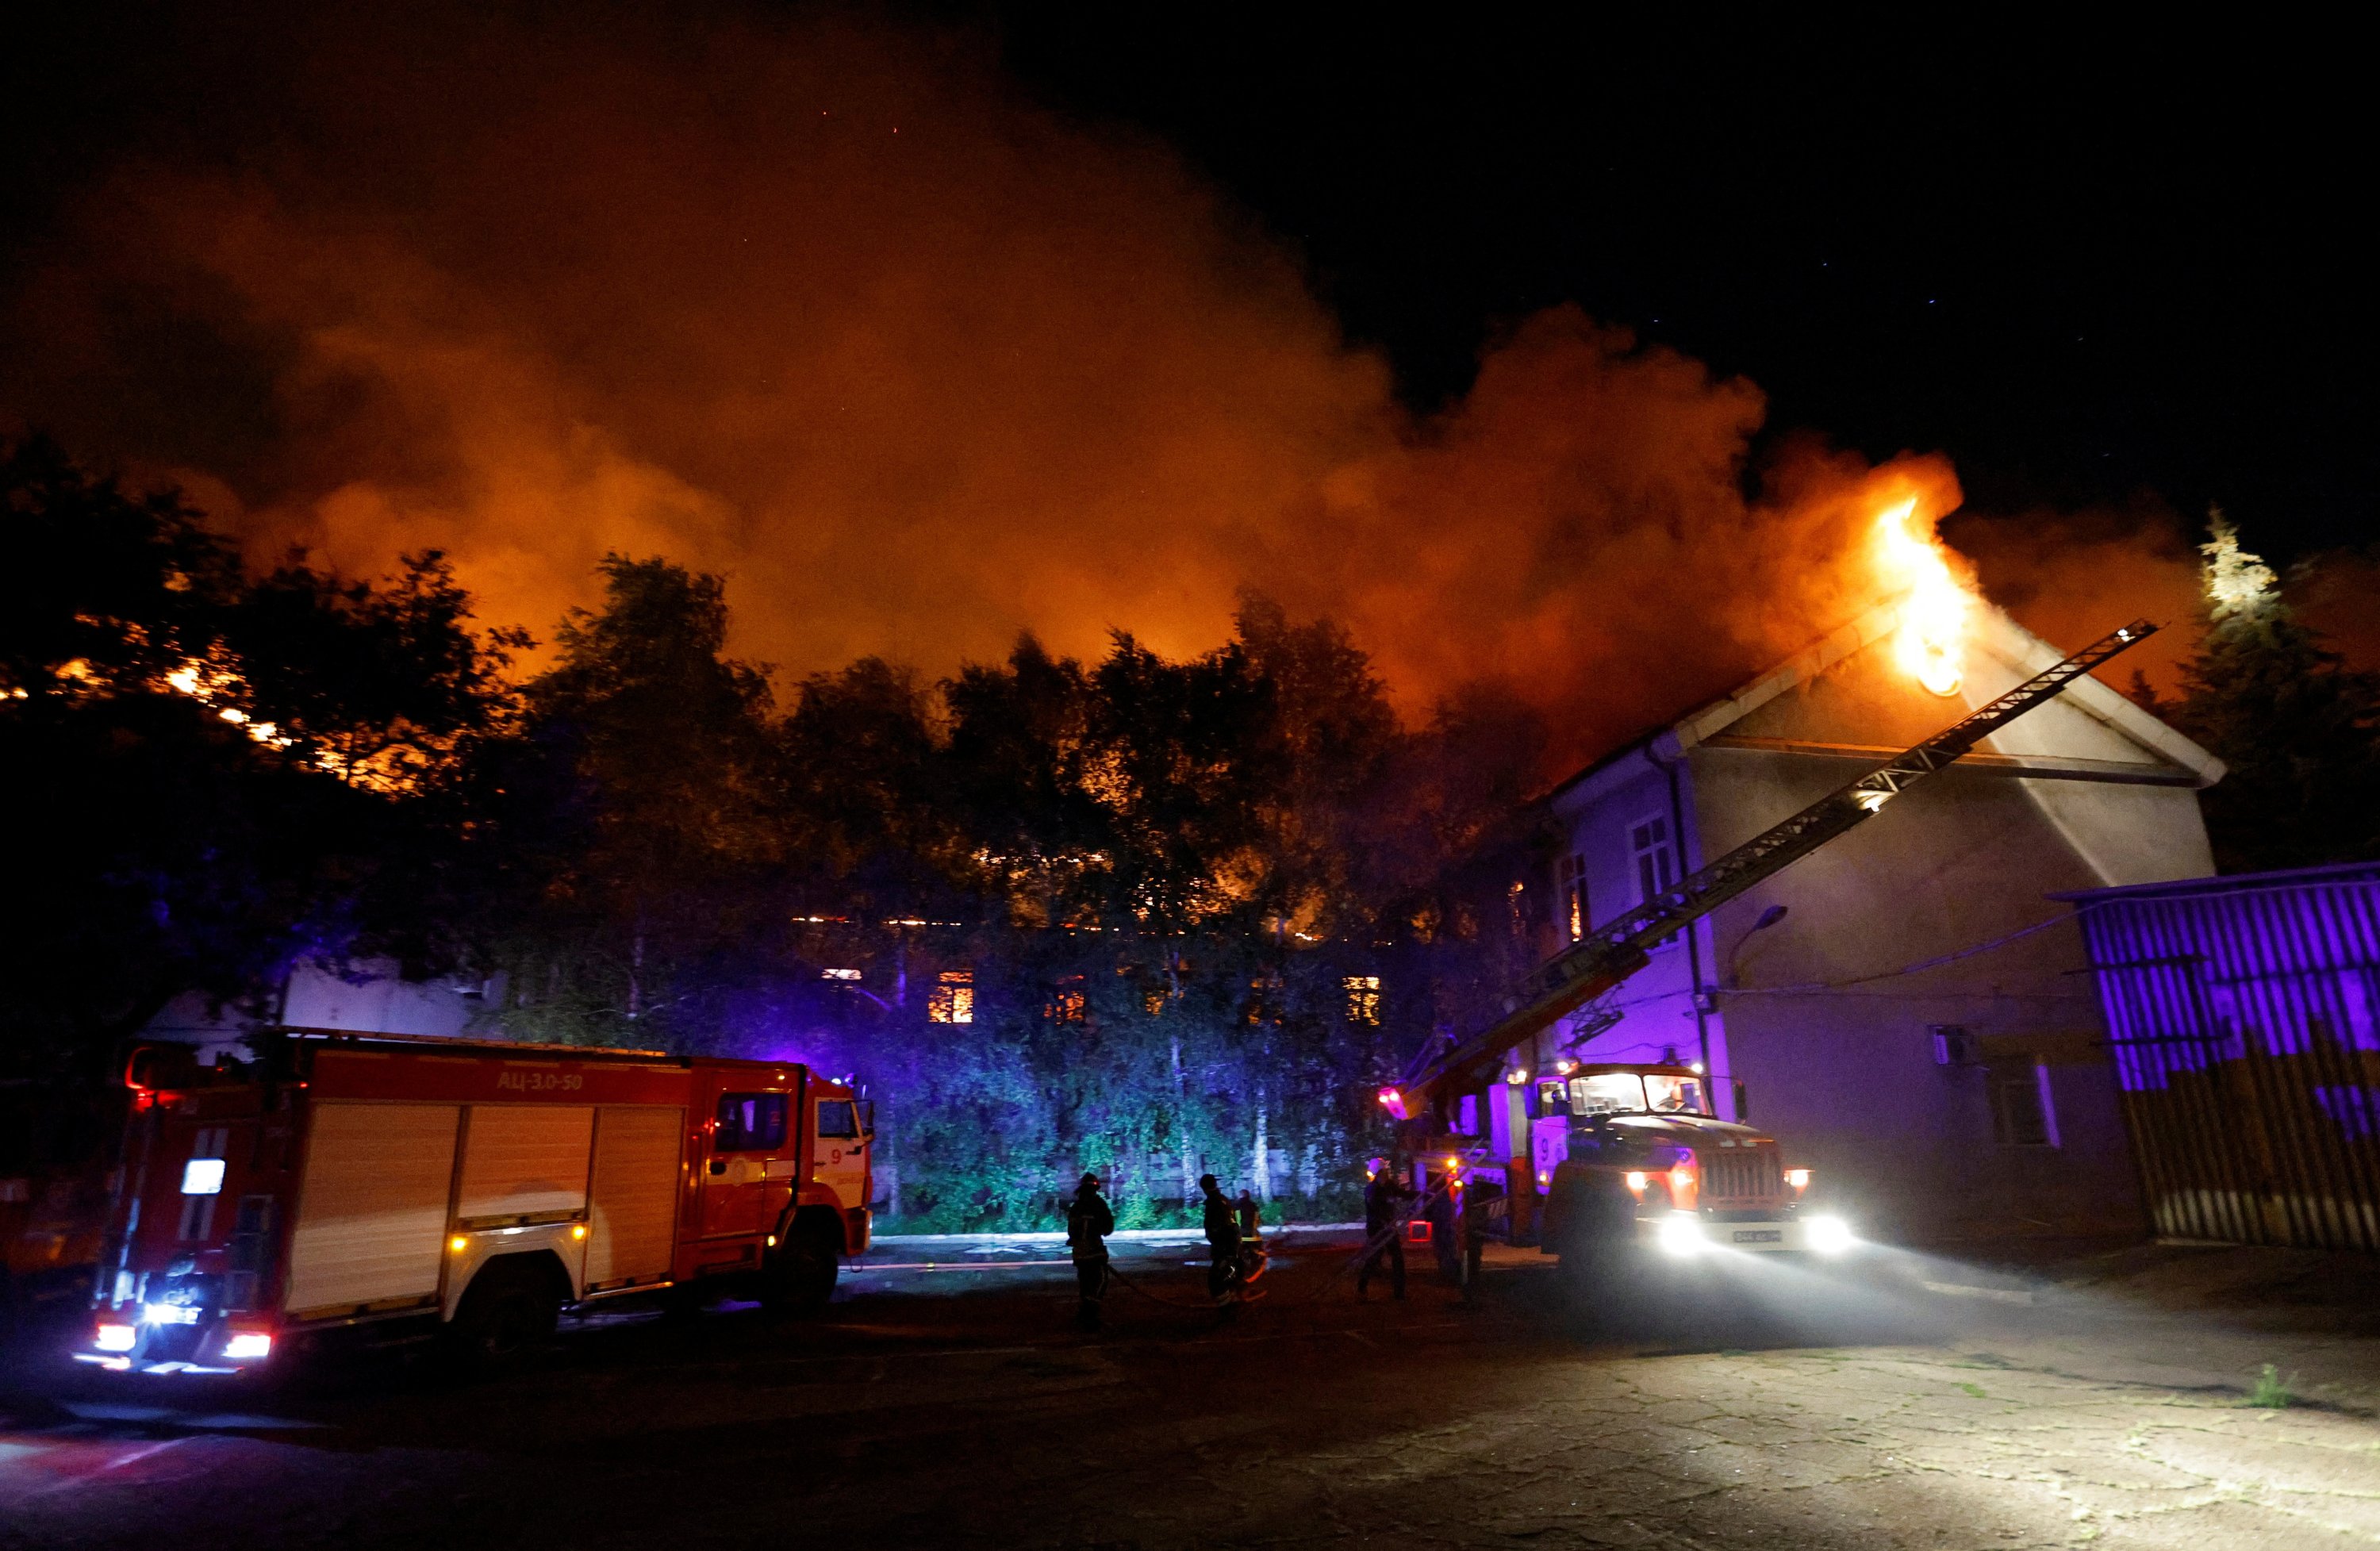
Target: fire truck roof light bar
x=1618 y=949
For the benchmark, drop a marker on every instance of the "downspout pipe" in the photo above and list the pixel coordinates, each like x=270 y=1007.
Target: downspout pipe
x=1669 y=767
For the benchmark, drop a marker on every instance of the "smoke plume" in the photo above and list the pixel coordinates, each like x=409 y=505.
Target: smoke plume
x=829 y=308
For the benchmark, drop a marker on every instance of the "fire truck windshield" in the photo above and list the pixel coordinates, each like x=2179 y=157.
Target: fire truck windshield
x=1673 y=1094
x=1628 y=1093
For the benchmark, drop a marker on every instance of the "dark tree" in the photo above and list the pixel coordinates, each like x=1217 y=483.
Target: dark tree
x=183 y=818
x=2298 y=731
x=638 y=819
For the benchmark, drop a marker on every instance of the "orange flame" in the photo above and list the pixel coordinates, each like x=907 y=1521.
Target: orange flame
x=1931 y=646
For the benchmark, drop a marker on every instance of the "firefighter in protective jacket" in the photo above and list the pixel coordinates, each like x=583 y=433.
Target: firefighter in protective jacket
x=1088 y=1222
x=1222 y=1222
x=1384 y=1229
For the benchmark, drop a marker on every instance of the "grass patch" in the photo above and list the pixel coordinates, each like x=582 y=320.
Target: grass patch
x=2271 y=1391
x=1974 y=1390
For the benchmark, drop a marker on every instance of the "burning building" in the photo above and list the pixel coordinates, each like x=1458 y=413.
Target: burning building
x=1905 y=1007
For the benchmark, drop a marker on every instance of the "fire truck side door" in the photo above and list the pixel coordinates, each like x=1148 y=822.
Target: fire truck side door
x=747 y=1128
x=839 y=1155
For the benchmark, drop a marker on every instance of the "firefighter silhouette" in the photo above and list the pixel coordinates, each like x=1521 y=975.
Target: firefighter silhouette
x=1088 y=1223
x=1222 y=1223
x=1384 y=1231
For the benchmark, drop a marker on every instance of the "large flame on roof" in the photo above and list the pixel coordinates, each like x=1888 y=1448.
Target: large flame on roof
x=1931 y=646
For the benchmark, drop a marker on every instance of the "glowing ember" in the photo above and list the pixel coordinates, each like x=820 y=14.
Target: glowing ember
x=1932 y=644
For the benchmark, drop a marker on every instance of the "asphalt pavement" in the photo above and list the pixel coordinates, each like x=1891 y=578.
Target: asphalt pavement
x=943 y=1400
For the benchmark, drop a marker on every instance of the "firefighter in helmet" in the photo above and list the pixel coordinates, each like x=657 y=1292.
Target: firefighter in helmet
x=1088 y=1223
x=1384 y=1227
x=1222 y=1223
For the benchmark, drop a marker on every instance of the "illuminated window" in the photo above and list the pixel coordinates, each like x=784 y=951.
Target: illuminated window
x=1153 y=1002
x=1572 y=896
x=1066 y=1003
x=1264 y=1000
x=952 y=999
x=838 y=975
x=1363 y=999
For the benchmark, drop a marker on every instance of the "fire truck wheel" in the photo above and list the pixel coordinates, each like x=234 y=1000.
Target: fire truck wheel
x=508 y=1312
x=799 y=1277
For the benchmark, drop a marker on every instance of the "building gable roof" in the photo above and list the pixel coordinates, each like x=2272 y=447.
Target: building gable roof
x=1995 y=634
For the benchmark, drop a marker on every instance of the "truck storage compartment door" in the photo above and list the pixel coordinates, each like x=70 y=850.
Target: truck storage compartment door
x=524 y=1163
x=632 y=1207
x=371 y=1212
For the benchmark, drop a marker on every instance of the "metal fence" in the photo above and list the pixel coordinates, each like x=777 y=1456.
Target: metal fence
x=2240 y=1019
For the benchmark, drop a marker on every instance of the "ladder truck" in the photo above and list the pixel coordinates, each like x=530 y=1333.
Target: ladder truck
x=1633 y=1156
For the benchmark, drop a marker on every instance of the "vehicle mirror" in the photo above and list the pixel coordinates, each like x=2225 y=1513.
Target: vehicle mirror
x=868 y=1117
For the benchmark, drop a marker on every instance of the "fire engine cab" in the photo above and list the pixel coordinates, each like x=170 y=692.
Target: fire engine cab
x=472 y=1190
x=1631 y=1161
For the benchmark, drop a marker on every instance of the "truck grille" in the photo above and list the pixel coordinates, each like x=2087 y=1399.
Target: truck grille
x=1752 y=1174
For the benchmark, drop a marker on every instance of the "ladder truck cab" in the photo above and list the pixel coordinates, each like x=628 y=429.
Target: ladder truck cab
x=423 y=1186
x=1632 y=1161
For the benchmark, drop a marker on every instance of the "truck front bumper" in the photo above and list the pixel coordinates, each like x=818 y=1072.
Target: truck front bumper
x=1684 y=1235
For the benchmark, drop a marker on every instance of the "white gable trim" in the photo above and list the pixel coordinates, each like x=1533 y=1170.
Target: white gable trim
x=2029 y=654
x=1997 y=634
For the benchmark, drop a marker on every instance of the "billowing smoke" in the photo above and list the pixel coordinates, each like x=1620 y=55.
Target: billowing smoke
x=829 y=308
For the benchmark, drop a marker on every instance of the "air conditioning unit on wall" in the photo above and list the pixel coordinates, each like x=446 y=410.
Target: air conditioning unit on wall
x=1953 y=1044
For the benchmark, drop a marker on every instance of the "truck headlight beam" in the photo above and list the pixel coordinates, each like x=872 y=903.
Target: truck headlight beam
x=1830 y=1235
x=1681 y=1233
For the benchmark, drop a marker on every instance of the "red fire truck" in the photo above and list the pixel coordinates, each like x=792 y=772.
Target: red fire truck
x=473 y=1190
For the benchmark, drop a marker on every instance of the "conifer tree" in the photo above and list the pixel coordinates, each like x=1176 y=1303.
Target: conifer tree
x=2298 y=730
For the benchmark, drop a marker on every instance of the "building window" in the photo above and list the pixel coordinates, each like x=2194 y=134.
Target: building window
x=1065 y=1004
x=838 y=975
x=2023 y=1114
x=1363 y=999
x=1654 y=854
x=953 y=998
x=1572 y=897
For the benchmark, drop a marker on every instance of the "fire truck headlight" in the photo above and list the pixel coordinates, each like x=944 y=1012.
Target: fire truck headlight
x=247 y=1346
x=114 y=1338
x=1830 y=1235
x=1681 y=1233
x=1636 y=1182
x=1797 y=1177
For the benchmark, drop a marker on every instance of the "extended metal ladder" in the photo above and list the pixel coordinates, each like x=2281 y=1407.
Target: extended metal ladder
x=1618 y=949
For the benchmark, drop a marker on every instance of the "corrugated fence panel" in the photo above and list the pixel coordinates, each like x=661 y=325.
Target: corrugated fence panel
x=2240 y=1023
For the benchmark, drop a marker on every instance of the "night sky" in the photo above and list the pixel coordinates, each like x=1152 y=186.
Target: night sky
x=2125 y=271
x=2112 y=269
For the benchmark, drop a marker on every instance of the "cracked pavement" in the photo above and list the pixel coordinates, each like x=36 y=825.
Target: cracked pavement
x=1905 y=1402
